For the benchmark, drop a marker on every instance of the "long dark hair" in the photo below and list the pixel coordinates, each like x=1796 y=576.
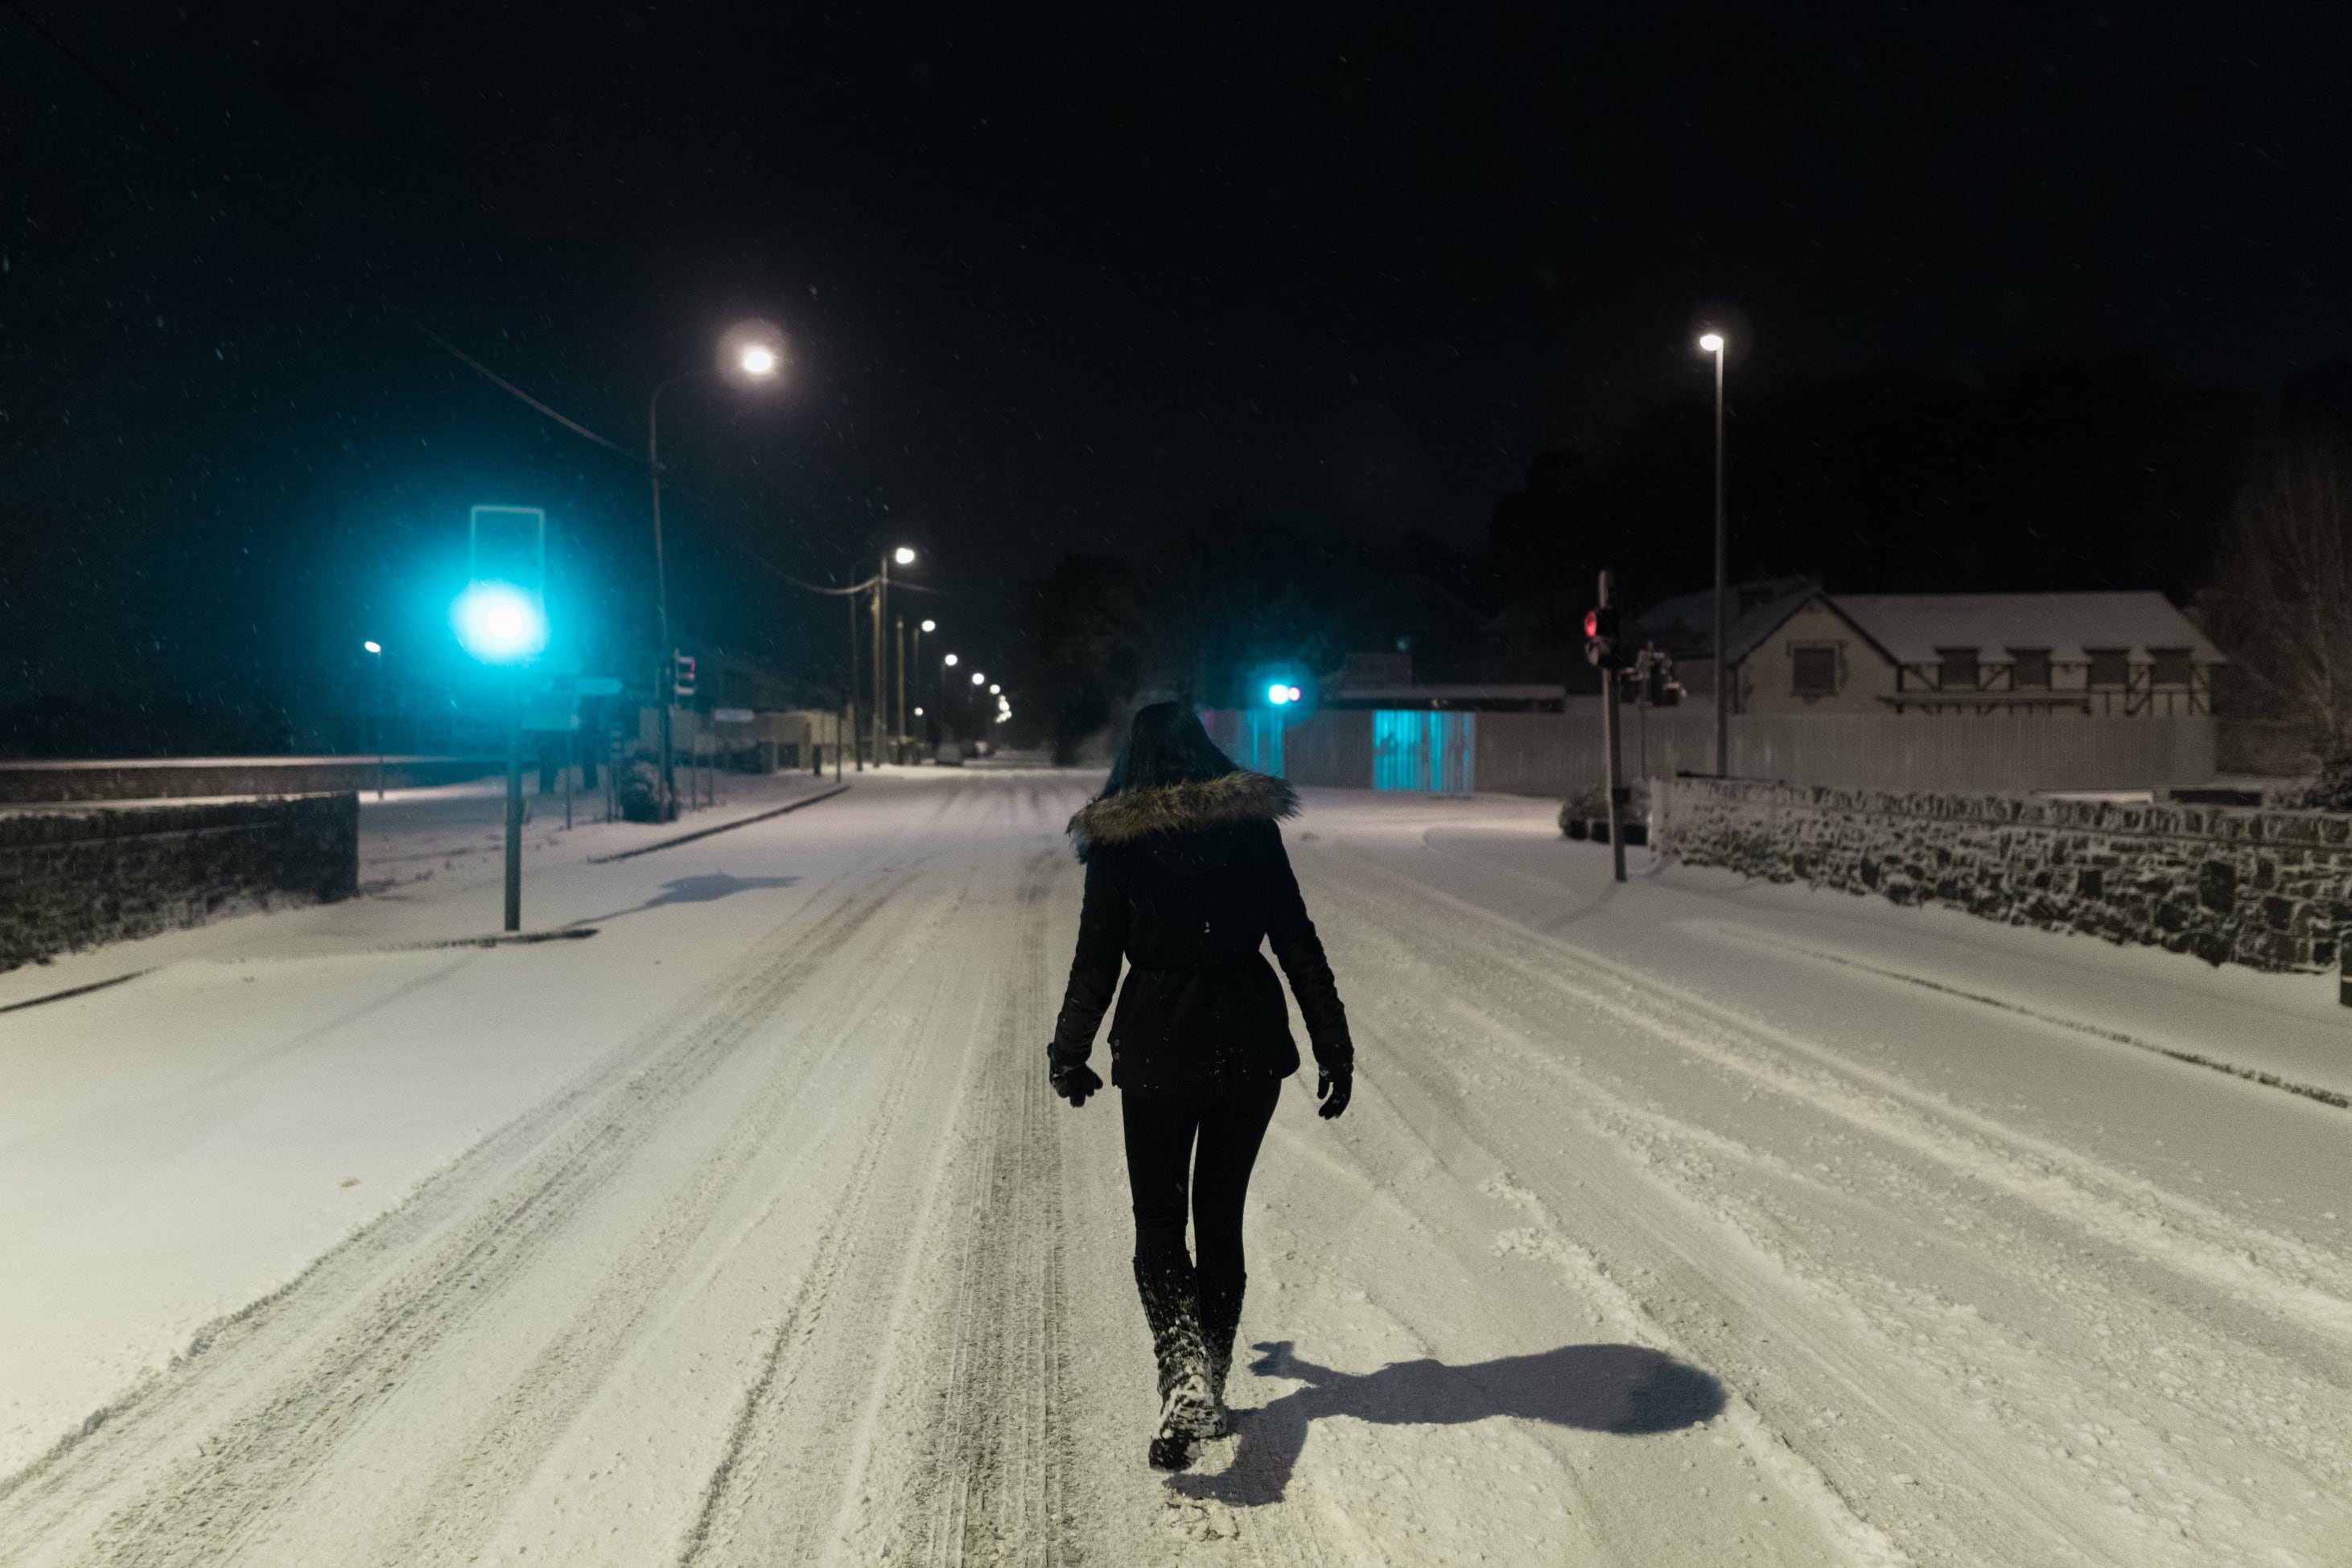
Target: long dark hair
x=1167 y=744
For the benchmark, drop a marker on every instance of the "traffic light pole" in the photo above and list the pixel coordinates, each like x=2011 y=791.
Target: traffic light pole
x=514 y=809
x=1611 y=746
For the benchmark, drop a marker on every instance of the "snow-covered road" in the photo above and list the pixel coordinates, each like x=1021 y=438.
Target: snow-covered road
x=1680 y=1222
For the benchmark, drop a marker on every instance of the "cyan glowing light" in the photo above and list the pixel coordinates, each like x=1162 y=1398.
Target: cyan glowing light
x=373 y=647
x=499 y=623
x=1278 y=693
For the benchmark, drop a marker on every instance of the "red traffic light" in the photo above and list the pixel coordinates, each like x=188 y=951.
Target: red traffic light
x=1592 y=623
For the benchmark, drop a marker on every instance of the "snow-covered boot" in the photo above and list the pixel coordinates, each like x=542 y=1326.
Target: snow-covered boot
x=1221 y=1320
x=1188 y=1411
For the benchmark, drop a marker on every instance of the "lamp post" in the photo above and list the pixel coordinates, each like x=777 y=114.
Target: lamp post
x=903 y=557
x=947 y=714
x=751 y=353
x=375 y=651
x=914 y=662
x=1712 y=343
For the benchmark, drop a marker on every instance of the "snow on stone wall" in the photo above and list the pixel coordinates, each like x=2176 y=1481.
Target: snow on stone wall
x=76 y=878
x=2269 y=889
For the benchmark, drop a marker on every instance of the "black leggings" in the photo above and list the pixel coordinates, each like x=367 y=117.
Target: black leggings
x=1161 y=1130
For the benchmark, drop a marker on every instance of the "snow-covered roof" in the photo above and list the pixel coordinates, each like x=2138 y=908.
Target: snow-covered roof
x=1912 y=626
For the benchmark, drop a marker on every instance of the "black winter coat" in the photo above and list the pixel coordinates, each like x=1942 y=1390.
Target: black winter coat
x=1186 y=882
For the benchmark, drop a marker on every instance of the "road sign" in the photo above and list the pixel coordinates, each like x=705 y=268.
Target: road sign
x=733 y=714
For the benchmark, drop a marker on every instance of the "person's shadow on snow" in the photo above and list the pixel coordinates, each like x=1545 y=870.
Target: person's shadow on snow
x=1619 y=1388
x=703 y=889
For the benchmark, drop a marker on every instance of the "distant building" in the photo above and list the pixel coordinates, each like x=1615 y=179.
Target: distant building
x=1795 y=648
x=1386 y=680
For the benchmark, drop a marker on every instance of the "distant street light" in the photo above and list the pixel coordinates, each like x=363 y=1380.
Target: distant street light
x=377 y=650
x=995 y=691
x=978 y=679
x=751 y=353
x=950 y=661
x=930 y=626
x=1712 y=343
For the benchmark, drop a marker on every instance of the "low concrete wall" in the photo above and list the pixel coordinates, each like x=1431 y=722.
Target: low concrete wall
x=76 y=878
x=2265 y=888
x=134 y=778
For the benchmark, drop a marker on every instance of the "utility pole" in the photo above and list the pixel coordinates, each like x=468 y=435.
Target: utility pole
x=881 y=707
x=898 y=651
x=848 y=700
x=1609 y=743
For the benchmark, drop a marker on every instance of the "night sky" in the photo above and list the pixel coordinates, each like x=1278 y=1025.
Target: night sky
x=1053 y=279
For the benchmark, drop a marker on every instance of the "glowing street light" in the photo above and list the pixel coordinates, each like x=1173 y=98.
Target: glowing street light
x=951 y=660
x=995 y=691
x=1712 y=343
x=930 y=626
x=903 y=556
x=750 y=354
x=377 y=649
x=978 y=679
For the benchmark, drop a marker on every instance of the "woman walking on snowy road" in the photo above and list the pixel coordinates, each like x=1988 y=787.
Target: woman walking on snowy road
x=1186 y=877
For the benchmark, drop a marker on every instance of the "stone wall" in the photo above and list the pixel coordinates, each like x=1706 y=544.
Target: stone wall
x=2272 y=889
x=76 y=878
x=23 y=782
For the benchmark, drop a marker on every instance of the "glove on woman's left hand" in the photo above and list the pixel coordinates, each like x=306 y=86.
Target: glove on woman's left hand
x=1073 y=1081
x=1334 y=1090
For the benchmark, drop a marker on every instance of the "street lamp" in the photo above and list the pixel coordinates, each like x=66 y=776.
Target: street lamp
x=978 y=679
x=376 y=649
x=901 y=555
x=1712 y=343
x=751 y=353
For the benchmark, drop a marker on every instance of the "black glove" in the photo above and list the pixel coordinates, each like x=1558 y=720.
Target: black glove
x=1073 y=1081
x=1333 y=1087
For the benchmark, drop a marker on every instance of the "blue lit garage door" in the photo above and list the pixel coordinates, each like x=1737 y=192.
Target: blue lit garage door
x=1429 y=753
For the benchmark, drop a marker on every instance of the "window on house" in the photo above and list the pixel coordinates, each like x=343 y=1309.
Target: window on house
x=2173 y=666
x=1956 y=669
x=1813 y=671
x=2109 y=666
x=2029 y=669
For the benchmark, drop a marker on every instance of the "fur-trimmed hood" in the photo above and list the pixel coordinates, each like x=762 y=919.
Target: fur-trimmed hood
x=1133 y=814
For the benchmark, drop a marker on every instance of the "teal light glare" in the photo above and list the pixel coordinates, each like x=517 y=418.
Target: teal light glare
x=499 y=623
x=1279 y=693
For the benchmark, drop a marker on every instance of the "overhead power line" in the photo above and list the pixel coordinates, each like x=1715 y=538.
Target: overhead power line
x=195 y=155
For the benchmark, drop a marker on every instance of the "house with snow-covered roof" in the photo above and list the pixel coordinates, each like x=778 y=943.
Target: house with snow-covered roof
x=1793 y=647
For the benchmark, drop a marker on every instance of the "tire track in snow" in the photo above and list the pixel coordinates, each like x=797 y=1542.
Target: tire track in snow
x=266 y=1397
x=494 y=1459
x=994 y=1481
x=2220 y=1251
x=1999 y=1463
